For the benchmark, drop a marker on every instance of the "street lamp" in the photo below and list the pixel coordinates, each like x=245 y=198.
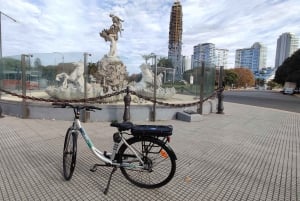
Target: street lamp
x=85 y=63
x=1 y=13
x=1 y=68
x=86 y=114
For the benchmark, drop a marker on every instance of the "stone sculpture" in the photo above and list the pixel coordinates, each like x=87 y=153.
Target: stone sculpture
x=110 y=76
x=111 y=34
x=72 y=86
x=145 y=87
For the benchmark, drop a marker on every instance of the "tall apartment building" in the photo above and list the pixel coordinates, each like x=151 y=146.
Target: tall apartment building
x=186 y=63
x=175 y=39
x=287 y=44
x=205 y=52
x=253 y=58
x=222 y=57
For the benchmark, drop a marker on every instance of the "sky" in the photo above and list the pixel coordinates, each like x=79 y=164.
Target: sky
x=63 y=26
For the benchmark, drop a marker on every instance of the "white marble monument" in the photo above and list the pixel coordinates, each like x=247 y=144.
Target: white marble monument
x=111 y=75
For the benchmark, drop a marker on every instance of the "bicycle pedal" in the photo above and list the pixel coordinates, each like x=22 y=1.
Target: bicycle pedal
x=94 y=168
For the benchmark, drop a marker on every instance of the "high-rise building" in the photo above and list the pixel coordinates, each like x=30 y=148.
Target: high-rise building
x=206 y=53
x=186 y=63
x=175 y=39
x=221 y=57
x=287 y=44
x=253 y=58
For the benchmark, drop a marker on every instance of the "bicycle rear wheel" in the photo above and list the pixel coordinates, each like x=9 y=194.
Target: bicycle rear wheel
x=159 y=162
x=69 y=154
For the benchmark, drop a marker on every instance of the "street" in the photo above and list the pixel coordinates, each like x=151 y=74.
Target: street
x=267 y=99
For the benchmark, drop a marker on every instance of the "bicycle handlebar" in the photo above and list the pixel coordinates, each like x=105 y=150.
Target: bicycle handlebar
x=78 y=107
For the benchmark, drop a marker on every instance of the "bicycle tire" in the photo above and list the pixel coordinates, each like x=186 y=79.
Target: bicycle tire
x=69 y=154
x=158 y=172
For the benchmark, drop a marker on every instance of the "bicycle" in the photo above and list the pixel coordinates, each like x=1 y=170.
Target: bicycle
x=145 y=158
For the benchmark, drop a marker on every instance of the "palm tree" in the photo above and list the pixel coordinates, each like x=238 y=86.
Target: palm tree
x=146 y=57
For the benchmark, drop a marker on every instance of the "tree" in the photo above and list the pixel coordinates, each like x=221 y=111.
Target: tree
x=165 y=62
x=195 y=72
x=289 y=70
x=92 y=68
x=230 y=77
x=146 y=57
x=37 y=63
x=245 y=77
x=10 y=63
x=271 y=84
x=260 y=81
x=135 y=77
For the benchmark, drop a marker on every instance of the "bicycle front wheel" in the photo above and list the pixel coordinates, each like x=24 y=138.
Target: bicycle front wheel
x=69 y=154
x=159 y=162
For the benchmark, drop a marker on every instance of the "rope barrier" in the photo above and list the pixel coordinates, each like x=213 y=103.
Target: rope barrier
x=99 y=98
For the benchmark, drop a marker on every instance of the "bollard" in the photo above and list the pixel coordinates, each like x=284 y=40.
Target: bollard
x=220 y=91
x=127 y=100
x=220 y=101
x=0 y=111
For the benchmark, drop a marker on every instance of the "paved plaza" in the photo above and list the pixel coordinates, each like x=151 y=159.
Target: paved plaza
x=249 y=153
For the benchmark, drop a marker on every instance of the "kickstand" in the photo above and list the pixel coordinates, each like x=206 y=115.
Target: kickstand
x=108 y=183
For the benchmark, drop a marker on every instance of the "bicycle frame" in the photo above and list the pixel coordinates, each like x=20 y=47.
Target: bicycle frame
x=77 y=127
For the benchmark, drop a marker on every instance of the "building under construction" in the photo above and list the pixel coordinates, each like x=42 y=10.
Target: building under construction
x=175 y=39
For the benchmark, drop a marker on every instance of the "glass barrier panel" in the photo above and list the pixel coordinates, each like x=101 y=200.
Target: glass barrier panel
x=61 y=75
x=11 y=76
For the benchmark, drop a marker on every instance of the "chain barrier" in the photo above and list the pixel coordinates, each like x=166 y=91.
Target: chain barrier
x=99 y=98
x=82 y=100
x=173 y=104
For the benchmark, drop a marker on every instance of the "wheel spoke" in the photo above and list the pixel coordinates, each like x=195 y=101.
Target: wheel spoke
x=159 y=166
x=69 y=155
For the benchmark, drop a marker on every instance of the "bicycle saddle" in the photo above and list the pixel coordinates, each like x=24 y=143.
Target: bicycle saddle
x=122 y=126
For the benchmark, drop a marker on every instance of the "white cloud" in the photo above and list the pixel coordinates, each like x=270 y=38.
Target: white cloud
x=74 y=25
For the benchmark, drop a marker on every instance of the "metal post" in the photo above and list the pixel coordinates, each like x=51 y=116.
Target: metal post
x=200 y=107
x=0 y=37
x=220 y=91
x=23 y=66
x=154 y=87
x=1 y=62
x=0 y=111
x=85 y=76
x=127 y=100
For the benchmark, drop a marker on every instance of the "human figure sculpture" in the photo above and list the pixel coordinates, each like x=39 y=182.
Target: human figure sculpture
x=117 y=22
x=111 y=34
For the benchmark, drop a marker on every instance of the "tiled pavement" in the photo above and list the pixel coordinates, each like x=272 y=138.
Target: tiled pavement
x=249 y=153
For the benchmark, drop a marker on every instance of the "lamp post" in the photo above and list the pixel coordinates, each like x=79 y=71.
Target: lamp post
x=1 y=68
x=1 y=13
x=85 y=63
x=86 y=114
x=155 y=82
